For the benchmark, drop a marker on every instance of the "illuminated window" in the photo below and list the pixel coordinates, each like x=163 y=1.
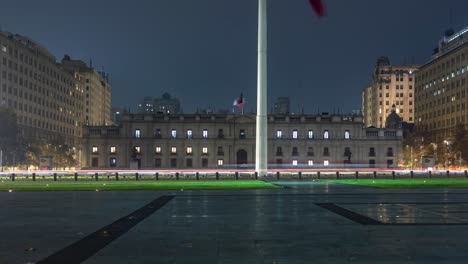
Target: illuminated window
x=279 y=134
x=326 y=163
x=158 y=149
x=173 y=150
x=294 y=162
x=325 y=135
x=294 y=134
x=310 y=134
x=310 y=162
x=347 y=135
x=95 y=149
x=189 y=133
x=220 y=162
x=4 y=48
x=137 y=133
x=138 y=150
x=204 y=150
x=113 y=149
x=174 y=133
x=205 y=133
x=113 y=162
x=189 y=150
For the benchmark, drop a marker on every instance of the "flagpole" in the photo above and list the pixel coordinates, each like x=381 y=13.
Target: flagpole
x=261 y=154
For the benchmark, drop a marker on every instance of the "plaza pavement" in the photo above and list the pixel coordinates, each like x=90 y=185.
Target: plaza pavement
x=303 y=223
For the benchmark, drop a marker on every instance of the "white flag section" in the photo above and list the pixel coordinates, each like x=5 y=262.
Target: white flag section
x=261 y=143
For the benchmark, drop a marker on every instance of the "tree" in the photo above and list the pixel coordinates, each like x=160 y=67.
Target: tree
x=8 y=135
x=460 y=142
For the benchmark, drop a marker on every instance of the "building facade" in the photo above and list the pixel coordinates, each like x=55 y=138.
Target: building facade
x=442 y=87
x=167 y=105
x=156 y=141
x=282 y=106
x=48 y=101
x=391 y=85
x=97 y=91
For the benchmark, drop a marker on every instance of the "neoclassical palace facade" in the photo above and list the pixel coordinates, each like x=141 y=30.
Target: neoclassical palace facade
x=204 y=141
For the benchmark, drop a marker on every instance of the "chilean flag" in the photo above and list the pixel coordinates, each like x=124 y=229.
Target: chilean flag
x=239 y=102
x=318 y=7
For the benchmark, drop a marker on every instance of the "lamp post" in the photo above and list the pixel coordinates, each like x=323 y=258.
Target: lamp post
x=446 y=153
x=1 y=159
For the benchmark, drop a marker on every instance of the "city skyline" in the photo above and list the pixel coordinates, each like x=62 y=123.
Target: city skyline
x=148 y=52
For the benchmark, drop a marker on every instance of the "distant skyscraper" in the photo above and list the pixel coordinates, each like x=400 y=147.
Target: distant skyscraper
x=167 y=104
x=97 y=105
x=147 y=105
x=391 y=85
x=282 y=106
x=442 y=88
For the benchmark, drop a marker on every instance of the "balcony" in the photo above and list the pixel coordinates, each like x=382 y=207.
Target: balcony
x=371 y=154
x=310 y=154
x=279 y=153
x=220 y=153
x=390 y=154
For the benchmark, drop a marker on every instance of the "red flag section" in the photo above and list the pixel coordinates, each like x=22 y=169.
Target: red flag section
x=318 y=7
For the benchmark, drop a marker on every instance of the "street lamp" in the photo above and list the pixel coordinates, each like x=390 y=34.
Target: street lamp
x=446 y=142
x=1 y=160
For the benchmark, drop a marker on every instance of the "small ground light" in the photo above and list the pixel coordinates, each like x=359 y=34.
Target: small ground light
x=10 y=190
x=97 y=190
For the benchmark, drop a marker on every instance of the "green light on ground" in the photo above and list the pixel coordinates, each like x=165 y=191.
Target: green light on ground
x=136 y=185
x=406 y=183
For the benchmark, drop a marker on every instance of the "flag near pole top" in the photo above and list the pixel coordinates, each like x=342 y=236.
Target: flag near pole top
x=318 y=7
x=239 y=102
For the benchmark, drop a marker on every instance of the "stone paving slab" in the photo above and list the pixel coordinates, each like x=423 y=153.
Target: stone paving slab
x=256 y=226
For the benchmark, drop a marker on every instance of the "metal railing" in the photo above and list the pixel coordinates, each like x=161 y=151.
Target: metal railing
x=227 y=175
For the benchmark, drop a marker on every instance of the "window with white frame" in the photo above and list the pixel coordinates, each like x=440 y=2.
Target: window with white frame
x=347 y=135
x=326 y=135
x=189 y=150
x=310 y=134
x=310 y=162
x=158 y=149
x=204 y=150
x=326 y=163
x=174 y=133
x=189 y=133
x=113 y=149
x=279 y=134
x=294 y=134
x=205 y=133
x=173 y=150
x=220 y=162
x=95 y=149
x=137 y=133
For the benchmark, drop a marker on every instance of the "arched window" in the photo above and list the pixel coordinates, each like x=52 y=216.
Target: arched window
x=347 y=135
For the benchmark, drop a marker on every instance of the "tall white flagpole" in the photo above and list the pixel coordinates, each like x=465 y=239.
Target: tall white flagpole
x=261 y=154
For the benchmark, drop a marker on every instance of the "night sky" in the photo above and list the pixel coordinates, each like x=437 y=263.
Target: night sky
x=204 y=51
